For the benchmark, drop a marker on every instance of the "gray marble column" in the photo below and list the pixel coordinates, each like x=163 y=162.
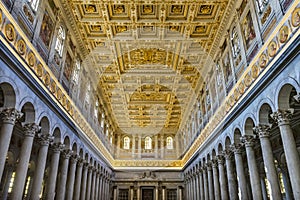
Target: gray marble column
x=61 y=190
x=89 y=183
x=97 y=185
x=197 y=185
x=9 y=171
x=93 y=183
x=237 y=149
x=205 y=183
x=222 y=178
x=201 y=186
x=71 y=177
x=210 y=181
x=267 y=153
x=249 y=141
x=21 y=172
x=263 y=186
x=44 y=140
x=84 y=181
x=9 y=117
x=51 y=182
x=101 y=186
x=283 y=118
x=78 y=179
x=286 y=182
x=216 y=180
x=232 y=183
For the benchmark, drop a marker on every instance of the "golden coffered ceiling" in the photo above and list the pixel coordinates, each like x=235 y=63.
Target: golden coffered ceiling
x=149 y=59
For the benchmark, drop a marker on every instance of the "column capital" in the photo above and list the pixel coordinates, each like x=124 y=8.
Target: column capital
x=67 y=153
x=45 y=139
x=220 y=159
x=237 y=148
x=214 y=163
x=297 y=97
x=10 y=115
x=80 y=162
x=30 y=129
x=248 y=140
x=283 y=116
x=228 y=153
x=208 y=165
x=263 y=130
x=57 y=147
x=74 y=158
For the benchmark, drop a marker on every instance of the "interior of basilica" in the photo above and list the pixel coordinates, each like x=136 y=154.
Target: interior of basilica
x=149 y=100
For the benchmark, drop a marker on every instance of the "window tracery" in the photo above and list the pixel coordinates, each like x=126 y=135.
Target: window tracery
x=126 y=142
x=169 y=142
x=148 y=143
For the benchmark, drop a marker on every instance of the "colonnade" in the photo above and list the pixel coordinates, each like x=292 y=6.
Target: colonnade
x=235 y=174
x=59 y=173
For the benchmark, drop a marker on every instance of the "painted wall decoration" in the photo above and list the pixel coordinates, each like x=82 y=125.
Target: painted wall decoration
x=248 y=30
x=227 y=68
x=69 y=67
x=47 y=28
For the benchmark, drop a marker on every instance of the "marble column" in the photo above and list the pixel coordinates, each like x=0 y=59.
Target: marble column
x=197 y=185
x=267 y=153
x=249 y=141
x=283 y=118
x=263 y=187
x=61 y=190
x=9 y=171
x=9 y=117
x=286 y=182
x=237 y=149
x=89 y=183
x=205 y=183
x=71 y=177
x=97 y=185
x=231 y=176
x=201 y=186
x=216 y=180
x=210 y=181
x=44 y=140
x=21 y=172
x=222 y=178
x=78 y=179
x=100 y=187
x=93 y=183
x=51 y=182
x=84 y=181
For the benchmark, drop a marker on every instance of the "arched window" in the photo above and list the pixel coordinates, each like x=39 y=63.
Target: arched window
x=59 y=45
x=235 y=43
x=169 y=142
x=34 y=4
x=126 y=142
x=76 y=72
x=148 y=143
